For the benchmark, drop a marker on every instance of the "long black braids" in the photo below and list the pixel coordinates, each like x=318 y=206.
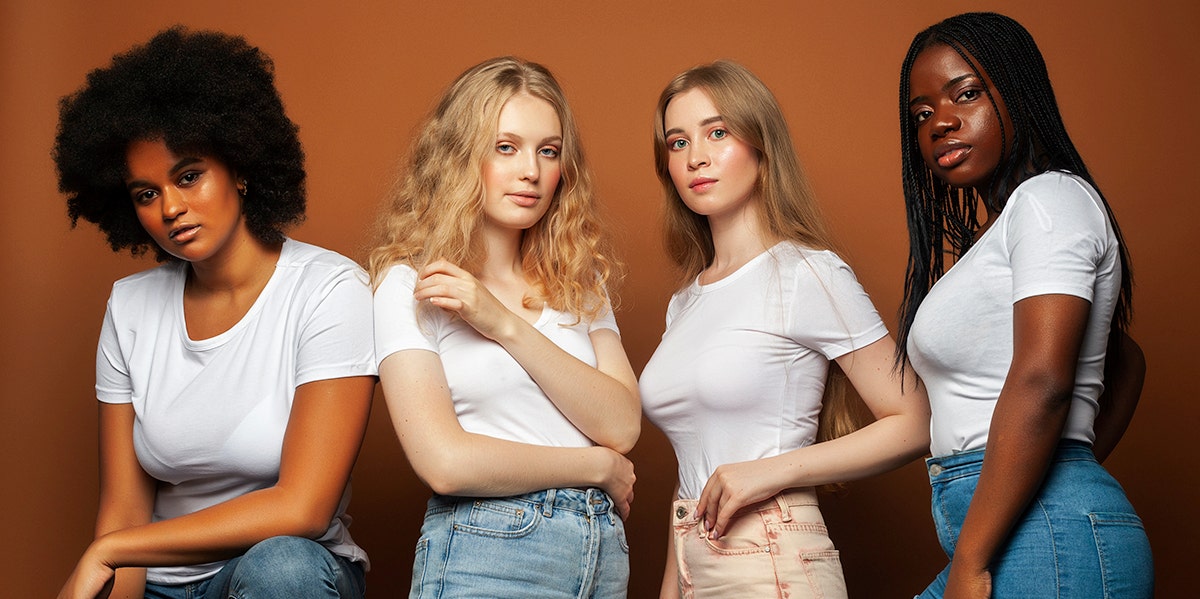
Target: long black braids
x=944 y=220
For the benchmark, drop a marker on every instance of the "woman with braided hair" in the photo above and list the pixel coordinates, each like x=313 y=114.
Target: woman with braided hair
x=1046 y=381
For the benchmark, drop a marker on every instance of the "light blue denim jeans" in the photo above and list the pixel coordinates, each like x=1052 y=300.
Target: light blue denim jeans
x=556 y=543
x=277 y=568
x=1079 y=538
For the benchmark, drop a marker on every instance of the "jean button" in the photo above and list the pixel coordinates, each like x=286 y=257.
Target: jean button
x=935 y=470
x=680 y=512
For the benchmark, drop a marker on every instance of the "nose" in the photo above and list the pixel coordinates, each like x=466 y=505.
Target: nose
x=532 y=169
x=174 y=204
x=944 y=121
x=697 y=156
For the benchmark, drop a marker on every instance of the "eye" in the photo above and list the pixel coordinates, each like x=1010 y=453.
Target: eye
x=189 y=178
x=677 y=144
x=143 y=197
x=922 y=114
x=719 y=134
x=968 y=94
x=506 y=148
x=549 y=152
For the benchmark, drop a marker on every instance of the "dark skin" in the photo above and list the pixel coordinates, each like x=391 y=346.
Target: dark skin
x=961 y=136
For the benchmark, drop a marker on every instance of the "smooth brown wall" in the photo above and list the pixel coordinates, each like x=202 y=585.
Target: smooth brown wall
x=358 y=78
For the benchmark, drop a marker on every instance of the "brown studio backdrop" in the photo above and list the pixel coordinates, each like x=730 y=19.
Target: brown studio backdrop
x=358 y=78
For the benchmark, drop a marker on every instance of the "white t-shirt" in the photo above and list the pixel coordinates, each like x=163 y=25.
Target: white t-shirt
x=492 y=393
x=211 y=414
x=741 y=369
x=1053 y=237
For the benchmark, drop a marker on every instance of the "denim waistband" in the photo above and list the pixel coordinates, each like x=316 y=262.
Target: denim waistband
x=588 y=502
x=684 y=510
x=965 y=463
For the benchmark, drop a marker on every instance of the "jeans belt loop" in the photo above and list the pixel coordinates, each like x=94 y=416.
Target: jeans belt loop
x=784 y=510
x=548 y=504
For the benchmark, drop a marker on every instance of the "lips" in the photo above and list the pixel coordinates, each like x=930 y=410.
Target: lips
x=701 y=183
x=525 y=199
x=951 y=154
x=183 y=233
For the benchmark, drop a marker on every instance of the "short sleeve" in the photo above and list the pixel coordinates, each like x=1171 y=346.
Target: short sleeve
x=1056 y=236
x=113 y=384
x=338 y=338
x=830 y=311
x=605 y=319
x=397 y=326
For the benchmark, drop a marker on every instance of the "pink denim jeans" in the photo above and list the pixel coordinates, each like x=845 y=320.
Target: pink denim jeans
x=775 y=548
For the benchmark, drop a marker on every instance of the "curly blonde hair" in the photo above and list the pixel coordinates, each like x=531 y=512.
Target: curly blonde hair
x=435 y=209
x=788 y=206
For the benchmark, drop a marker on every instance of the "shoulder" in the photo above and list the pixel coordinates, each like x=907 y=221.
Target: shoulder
x=149 y=284
x=310 y=265
x=805 y=263
x=1058 y=190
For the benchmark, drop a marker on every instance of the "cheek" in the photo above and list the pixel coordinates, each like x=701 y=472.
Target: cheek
x=677 y=166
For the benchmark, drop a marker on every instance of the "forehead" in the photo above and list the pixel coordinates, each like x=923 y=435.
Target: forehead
x=938 y=64
x=688 y=108
x=529 y=115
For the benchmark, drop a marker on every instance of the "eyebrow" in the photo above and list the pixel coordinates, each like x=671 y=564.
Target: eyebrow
x=182 y=164
x=509 y=135
x=708 y=121
x=949 y=84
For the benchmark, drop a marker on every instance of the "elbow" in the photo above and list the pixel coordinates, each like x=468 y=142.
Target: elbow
x=310 y=522
x=624 y=437
x=444 y=470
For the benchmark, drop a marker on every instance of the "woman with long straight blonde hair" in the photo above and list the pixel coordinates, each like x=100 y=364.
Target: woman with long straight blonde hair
x=739 y=381
x=501 y=362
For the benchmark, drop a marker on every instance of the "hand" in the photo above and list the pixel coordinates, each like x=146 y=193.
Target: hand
x=455 y=290
x=92 y=579
x=968 y=583
x=729 y=489
x=619 y=482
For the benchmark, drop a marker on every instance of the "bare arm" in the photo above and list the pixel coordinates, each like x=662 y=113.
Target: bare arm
x=899 y=434
x=454 y=462
x=602 y=402
x=1124 y=375
x=670 y=582
x=324 y=433
x=1025 y=430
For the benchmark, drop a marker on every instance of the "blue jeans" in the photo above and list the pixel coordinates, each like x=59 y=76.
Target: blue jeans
x=277 y=568
x=555 y=543
x=1079 y=536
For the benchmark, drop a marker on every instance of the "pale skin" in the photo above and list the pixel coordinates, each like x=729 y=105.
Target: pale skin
x=699 y=142
x=601 y=401
x=228 y=268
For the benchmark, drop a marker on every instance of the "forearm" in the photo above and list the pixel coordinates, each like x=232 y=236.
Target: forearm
x=883 y=445
x=1021 y=442
x=670 y=582
x=1124 y=375
x=472 y=465
x=602 y=407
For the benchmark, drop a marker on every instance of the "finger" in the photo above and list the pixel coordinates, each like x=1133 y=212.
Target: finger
x=724 y=514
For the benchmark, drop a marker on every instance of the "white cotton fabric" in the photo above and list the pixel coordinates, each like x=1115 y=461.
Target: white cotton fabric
x=1053 y=237
x=741 y=369
x=211 y=413
x=492 y=393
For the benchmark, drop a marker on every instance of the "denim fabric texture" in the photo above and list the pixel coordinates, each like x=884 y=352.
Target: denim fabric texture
x=558 y=543
x=775 y=548
x=1079 y=538
x=277 y=568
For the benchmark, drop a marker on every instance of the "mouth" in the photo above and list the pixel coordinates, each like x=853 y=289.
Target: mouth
x=183 y=233
x=951 y=154
x=701 y=183
x=525 y=199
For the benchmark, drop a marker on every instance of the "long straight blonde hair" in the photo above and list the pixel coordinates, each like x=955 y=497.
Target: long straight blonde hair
x=788 y=209
x=435 y=209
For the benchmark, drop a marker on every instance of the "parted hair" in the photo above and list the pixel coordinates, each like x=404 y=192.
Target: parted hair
x=943 y=220
x=204 y=92
x=788 y=208
x=435 y=209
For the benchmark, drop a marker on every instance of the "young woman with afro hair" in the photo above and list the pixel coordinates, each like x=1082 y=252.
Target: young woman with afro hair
x=234 y=381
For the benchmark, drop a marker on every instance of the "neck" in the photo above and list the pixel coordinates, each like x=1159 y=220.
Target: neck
x=737 y=239
x=245 y=265
x=503 y=258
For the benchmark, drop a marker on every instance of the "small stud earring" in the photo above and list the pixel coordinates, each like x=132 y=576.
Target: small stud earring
x=242 y=188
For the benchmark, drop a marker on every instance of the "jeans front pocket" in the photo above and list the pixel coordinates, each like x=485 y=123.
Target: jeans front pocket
x=1126 y=566
x=499 y=518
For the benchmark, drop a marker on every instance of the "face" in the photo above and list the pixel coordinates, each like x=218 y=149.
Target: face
x=188 y=204
x=521 y=173
x=715 y=173
x=958 y=130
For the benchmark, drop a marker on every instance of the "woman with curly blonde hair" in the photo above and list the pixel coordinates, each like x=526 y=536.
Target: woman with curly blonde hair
x=501 y=361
